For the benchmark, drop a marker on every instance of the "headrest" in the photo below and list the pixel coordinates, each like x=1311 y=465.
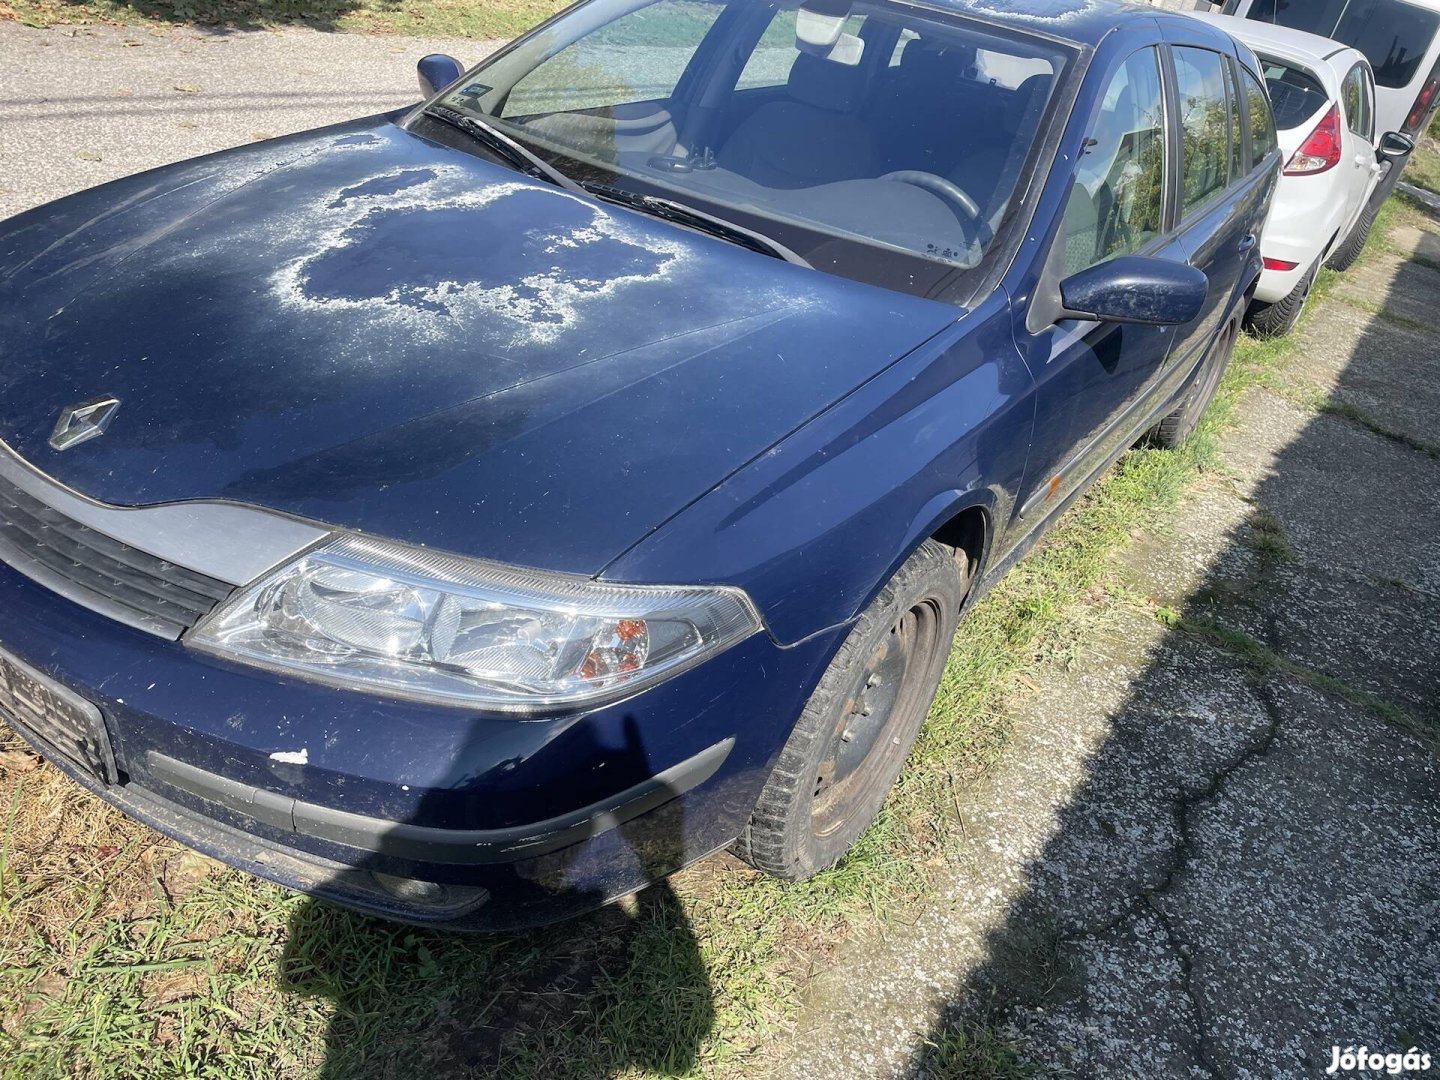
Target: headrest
x=825 y=84
x=935 y=62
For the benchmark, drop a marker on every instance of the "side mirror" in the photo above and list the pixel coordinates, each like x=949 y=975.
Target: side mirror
x=1394 y=145
x=1136 y=289
x=437 y=71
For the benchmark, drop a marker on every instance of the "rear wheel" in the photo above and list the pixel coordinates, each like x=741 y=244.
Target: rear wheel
x=1178 y=426
x=1344 y=256
x=1272 y=320
x=857 y=729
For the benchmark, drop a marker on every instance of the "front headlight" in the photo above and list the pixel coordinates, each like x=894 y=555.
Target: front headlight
x=418 y=624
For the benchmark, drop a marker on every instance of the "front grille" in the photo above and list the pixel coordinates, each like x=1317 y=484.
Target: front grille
x=60 y=721
x=99 y=572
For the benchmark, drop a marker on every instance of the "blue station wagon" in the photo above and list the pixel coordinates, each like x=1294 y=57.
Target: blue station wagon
x=473 y=513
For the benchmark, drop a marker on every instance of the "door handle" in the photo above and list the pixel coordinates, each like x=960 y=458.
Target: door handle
x=1247 y=242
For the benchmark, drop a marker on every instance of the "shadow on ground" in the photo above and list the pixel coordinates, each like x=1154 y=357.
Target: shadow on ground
x=621 y=989
x=1247 y=874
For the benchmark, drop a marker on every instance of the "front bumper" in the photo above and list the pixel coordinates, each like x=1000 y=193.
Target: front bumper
x=427 y=814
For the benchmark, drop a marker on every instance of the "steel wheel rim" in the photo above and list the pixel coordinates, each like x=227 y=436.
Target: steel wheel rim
x=863 y=746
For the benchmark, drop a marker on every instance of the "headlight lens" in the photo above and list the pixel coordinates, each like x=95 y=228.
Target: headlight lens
x=419 y=624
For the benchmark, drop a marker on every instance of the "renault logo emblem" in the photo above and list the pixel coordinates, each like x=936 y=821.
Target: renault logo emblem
x=83 y=422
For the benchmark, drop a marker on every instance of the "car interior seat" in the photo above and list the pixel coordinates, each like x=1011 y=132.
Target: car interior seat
x=813 y=136
x=990 y=164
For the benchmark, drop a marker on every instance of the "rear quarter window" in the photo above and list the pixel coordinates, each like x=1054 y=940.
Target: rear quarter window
x=1295 y=94
x=1262 y=123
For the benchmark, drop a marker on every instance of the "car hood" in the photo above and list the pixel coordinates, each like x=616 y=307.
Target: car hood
x=362 y=327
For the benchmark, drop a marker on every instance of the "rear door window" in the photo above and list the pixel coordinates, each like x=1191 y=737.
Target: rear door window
x=1393 y=35
x=1294 y=92
x=1204 y=124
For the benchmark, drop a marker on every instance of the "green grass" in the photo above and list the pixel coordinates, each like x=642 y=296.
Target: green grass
x=969 y=1051
x=1423 y=169
x=481 y=19
x=121 y=955
x=1269 y=538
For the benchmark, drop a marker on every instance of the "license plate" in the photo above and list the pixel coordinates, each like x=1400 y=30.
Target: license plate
x=58 y=719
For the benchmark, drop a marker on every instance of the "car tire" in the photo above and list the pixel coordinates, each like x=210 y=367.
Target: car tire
x=1274 y=320
x=856 y=731
x=1180 y=424
x=1344 y=256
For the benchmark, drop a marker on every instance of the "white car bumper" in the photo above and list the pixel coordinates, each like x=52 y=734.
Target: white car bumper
x=1306 y=216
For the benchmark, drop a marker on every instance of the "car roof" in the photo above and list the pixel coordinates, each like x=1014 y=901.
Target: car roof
x=1083 y=22
x=1309 y=50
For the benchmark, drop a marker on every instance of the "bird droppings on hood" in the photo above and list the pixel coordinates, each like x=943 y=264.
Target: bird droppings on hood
x=364 y=138
x=385 y=184
x=345 y=255
x=292 y=757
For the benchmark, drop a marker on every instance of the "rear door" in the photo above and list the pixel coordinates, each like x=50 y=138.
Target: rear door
x=1220 y=201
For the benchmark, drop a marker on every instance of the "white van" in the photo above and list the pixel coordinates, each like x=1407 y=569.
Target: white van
x=1400 y=38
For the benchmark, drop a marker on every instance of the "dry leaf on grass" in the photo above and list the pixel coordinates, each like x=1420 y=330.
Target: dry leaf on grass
x=18 y=761
x=176 y=986
x=186 y=870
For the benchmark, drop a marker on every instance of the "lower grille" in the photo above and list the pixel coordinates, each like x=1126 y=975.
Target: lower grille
x=60 y=721
x=99 y=572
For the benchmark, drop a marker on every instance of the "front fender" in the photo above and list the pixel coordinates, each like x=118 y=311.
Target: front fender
x=814 y=527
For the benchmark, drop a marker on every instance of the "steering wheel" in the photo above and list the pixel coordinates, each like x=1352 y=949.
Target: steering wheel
x=948 y=190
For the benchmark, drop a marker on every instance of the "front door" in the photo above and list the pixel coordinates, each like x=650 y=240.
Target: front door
x=1093 y=379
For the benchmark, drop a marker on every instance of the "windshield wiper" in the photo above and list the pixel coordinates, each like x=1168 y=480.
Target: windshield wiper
x=689 y=217
x=526 y=161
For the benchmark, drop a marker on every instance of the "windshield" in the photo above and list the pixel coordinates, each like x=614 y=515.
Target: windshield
x=1394 y=36
x=1295 y=94
x=873 y=140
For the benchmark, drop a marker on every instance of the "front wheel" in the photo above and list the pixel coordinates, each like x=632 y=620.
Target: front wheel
x=857 y=728
x=1174 y=429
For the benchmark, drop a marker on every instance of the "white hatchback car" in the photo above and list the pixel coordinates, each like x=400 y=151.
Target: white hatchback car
x=1323 y=95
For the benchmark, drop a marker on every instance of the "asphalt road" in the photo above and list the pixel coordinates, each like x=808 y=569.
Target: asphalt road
x=82 y=106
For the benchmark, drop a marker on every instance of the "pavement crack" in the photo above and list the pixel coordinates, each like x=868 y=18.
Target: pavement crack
x=1179 y=858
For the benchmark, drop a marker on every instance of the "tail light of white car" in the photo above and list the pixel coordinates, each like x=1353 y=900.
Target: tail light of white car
x=1422 y=103
x=1321 y=150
